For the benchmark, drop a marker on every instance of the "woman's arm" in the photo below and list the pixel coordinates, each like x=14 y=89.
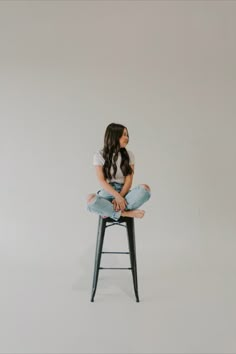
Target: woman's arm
x=128 y=183
x=103 y=182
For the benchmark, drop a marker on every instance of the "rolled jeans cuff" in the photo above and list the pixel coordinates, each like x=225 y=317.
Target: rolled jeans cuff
x=116 y=215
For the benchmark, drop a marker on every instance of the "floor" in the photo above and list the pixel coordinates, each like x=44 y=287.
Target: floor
x=187 y=299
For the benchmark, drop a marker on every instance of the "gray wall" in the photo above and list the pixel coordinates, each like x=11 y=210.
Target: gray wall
x=166 y=70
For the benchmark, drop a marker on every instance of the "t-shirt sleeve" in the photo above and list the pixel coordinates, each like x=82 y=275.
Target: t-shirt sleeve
x=131 y=158
x=98 y=159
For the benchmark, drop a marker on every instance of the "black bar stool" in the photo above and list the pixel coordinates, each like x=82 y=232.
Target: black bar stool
x=103 y=223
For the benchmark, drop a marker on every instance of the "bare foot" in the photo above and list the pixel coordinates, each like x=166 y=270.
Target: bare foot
x=138 y=213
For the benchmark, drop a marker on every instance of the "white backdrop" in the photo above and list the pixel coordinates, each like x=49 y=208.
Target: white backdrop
x=166 y=70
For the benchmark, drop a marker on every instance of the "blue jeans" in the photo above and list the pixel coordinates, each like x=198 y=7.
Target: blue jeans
x=102 y=203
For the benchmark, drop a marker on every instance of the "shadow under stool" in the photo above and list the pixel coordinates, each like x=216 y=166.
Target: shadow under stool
x=103 y=223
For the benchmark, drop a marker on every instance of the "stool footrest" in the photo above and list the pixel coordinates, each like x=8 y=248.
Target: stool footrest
x=114 y=268
x=117 y=252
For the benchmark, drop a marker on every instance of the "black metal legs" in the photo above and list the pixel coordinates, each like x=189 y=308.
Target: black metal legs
x=98 y=254
x=102 y=224
x=132 y=251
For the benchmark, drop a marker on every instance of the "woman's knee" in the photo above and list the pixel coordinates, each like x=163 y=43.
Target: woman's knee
x=91 y=198
x=145 y=186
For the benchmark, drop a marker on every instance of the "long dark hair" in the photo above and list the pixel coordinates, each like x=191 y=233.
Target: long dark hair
x=111 y=149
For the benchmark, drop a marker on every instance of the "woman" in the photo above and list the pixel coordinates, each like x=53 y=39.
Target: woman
x=115 y=168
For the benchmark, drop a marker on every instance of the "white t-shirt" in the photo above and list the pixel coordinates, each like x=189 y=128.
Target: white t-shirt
x=98 y=160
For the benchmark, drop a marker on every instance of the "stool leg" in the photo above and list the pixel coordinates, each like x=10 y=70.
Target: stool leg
x=98 y=254
x=132 y=250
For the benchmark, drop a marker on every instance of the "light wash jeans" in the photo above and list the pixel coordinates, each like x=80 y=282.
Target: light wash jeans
x=102 y=203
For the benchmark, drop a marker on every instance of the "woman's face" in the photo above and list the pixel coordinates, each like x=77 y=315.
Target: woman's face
x=124 y=139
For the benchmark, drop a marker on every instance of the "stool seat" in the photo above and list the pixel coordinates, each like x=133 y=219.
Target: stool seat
x=103 y=223
x=121 y=219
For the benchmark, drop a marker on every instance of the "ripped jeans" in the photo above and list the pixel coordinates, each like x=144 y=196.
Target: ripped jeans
x=102 y=203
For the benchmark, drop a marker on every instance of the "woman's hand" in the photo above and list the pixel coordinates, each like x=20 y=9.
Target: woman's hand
x=115 y=205
x=119 y=203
